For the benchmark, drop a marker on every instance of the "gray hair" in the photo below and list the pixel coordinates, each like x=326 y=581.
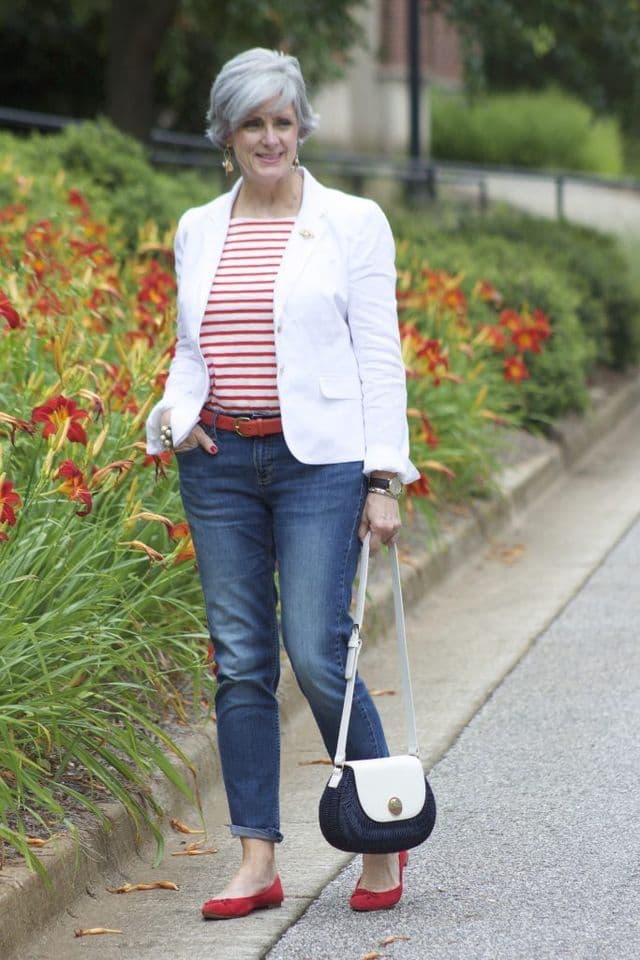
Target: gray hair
x=247 y=81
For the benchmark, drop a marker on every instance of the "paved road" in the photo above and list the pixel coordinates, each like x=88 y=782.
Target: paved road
x=537 y=851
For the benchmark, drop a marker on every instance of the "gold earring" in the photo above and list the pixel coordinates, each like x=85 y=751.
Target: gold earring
x=227 y=162
x=296 y=161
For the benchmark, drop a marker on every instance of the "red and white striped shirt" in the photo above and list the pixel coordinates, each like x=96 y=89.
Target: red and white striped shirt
x=236 y=336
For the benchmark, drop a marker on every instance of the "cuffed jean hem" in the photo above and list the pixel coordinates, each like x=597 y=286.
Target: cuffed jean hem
x=273 y=836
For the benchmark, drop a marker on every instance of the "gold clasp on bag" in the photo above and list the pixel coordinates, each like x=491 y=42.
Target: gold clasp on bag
x=395 y=806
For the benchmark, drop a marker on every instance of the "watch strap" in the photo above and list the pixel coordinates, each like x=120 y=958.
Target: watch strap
x=386 y=485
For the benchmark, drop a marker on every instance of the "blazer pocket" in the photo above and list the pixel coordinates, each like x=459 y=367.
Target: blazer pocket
x=340 y=388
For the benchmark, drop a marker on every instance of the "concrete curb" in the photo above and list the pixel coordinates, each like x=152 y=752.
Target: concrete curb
x=27 y=905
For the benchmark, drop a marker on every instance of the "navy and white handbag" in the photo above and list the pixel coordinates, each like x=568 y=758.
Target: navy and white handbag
x=383 y=805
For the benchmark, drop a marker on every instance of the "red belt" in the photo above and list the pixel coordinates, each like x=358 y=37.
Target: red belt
x=243 y=426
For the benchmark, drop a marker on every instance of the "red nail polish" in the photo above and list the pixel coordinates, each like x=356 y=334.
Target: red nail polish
x=213 y=448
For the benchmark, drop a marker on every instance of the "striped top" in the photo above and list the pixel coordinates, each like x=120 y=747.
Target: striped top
x=236 y=336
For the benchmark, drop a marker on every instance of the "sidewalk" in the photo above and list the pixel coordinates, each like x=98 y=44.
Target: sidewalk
x=465 y=637
x=602 y=208
x=536 y=853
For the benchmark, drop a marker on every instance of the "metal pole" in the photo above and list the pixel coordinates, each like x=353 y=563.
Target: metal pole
x=413 y=50
x=560 y=197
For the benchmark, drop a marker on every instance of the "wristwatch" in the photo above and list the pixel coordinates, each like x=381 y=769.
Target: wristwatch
x=390 y=487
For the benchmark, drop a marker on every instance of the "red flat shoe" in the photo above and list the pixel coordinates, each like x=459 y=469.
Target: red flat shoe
x=227 y=908
x=364 y=900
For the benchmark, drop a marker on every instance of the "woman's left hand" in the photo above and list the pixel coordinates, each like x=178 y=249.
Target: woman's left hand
x=381 y=516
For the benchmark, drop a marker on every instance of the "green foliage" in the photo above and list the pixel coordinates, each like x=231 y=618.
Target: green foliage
x=590 y=49
x=202 y=36
x=111 y=169
x=547 y=129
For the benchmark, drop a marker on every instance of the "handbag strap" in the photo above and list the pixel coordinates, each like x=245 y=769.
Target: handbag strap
x=354 y=647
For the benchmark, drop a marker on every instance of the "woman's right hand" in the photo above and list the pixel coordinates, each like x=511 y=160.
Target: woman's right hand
x=197 y=438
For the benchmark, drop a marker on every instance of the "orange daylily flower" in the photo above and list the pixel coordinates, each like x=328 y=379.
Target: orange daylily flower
x=11 y=212
x=487 y=292
x=427 y=434
x=510 y=319
x=526 y=338
x=49 y=304
x=75 y=485
x=98 y=253
x=436 y=356
x=494 y=336
x=9 y=502
x=78 y=200
x=55 y=413
x=419 y=488
x=181 y=533
x=454 y=299
x=515 y=369
x=541 y=324
x=41 y=235
x=10 y=314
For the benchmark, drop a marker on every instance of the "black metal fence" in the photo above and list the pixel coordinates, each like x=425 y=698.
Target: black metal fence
x=420 y=178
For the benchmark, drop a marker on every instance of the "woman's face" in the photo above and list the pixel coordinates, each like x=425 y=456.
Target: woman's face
x=265 y=143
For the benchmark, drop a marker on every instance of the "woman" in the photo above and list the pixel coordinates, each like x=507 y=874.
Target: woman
x=286 y=407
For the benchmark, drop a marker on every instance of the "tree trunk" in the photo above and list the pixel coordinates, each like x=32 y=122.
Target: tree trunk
x=136 y=29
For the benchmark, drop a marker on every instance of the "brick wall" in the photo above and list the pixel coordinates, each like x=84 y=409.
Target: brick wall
x=440 y=46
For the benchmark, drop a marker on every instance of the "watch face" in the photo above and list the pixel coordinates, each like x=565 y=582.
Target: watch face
x=395 y=486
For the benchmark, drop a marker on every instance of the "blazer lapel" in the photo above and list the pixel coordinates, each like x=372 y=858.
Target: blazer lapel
x=214 y=233
x=307 y=230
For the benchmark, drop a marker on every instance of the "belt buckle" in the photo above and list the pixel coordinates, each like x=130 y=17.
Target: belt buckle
x=236 y=425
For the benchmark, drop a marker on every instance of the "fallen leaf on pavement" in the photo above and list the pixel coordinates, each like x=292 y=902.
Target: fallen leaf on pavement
x=371 y=956
x=382 y=693
x=511 y=554
x=392 y=939
x=311 y=763
x=38 y=842
x=156 y=885
x=194 y=850
x=94 y=931
x=182 y=827
x=507 y=553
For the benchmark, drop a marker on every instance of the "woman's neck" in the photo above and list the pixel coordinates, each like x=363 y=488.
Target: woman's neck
x=281 y=199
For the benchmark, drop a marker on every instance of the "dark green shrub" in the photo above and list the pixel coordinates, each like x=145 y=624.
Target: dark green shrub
x=559 y=374
x=111 y=169
x=609 y=306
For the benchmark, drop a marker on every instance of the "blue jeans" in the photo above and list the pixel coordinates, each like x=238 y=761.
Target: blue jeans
x=252 y=507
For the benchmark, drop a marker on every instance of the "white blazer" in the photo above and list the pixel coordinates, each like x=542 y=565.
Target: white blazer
x=341 y=379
